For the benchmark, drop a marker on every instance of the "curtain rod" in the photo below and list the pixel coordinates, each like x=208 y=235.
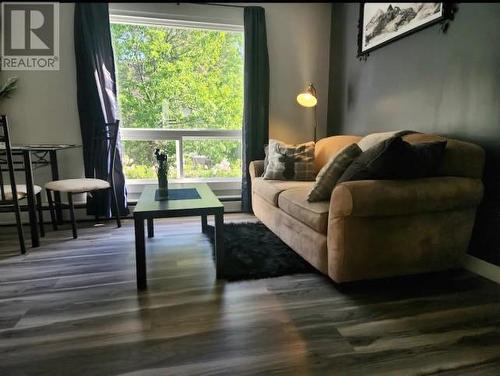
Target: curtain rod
x=217 y=5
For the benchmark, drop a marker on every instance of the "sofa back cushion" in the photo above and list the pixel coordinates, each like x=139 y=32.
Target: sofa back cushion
x=461 y=158
x=327 y=147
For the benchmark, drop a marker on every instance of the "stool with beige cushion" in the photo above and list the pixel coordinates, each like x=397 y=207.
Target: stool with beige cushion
x=71 y=187
x=22 y=193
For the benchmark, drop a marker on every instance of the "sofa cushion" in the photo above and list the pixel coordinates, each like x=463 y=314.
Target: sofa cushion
x=269 y=190
x=331 y=172
x=460 y=158
x=327 y=147
x=313 y=214
x=422 y=160
x=381 y=161
x=373 y=139
x=396 y=159
x=290 y=162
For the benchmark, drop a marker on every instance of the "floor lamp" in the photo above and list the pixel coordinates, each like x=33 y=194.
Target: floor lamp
x=309 y=98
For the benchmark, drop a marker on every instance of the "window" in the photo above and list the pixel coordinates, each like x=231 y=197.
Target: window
x=180 y=89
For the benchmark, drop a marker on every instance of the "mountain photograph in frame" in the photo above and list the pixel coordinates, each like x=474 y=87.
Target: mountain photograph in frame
x=383 y=23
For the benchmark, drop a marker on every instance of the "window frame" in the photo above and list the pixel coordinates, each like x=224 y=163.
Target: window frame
x=222 y=186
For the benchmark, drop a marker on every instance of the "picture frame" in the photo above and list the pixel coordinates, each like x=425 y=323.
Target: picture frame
x=384 y=23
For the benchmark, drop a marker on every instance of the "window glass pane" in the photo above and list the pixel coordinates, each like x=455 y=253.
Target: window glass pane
x=178 y=78
x=212 y=158
x=139 y=160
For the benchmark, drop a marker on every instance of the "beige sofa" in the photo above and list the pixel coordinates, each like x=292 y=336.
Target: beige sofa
x=377 y=228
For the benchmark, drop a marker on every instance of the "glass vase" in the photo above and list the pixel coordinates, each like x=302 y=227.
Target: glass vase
x=162 y=173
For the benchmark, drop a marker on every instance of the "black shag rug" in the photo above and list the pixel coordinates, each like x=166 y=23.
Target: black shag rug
x=252 y=251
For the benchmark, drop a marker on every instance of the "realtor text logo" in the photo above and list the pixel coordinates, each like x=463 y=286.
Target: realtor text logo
x=30 y=36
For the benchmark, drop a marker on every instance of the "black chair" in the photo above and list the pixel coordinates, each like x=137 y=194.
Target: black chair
x=104 y=144
x=9 y=196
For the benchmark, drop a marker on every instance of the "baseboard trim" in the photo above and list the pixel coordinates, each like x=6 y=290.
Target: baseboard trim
x=483 y=268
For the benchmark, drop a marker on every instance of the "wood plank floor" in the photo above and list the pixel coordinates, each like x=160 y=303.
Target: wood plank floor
x=71 y=307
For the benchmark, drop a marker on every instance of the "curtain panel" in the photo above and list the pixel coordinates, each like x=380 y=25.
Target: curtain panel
x=97 y=101
x=256 y=97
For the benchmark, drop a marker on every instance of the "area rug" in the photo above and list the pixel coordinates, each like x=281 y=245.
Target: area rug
x=252 y=251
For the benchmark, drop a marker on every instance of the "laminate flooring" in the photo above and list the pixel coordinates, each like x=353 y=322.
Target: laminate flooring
x=71 y=307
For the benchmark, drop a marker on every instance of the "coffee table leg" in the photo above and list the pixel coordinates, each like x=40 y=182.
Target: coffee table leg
x=204 y=224
x=151 y=229
x=140 y=253
x=219 y=245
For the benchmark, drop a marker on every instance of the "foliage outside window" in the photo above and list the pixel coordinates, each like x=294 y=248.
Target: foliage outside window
x=172 y=78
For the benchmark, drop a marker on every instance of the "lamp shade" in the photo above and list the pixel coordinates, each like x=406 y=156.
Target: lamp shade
x=308 y=98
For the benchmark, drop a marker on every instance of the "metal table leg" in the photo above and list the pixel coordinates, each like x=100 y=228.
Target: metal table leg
x=28 y=168
x=55 y=176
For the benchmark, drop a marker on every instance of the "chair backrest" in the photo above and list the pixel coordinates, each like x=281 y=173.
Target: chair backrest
x=6 y=163
x=104 y=151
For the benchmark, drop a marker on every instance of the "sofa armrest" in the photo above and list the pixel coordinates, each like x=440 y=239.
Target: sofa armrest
x=256 y=169
x=402 y=197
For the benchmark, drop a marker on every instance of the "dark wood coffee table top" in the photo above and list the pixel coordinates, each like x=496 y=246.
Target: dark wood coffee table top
x=147 y=205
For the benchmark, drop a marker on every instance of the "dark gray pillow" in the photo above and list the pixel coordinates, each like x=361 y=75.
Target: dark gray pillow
x=378 y=162
x=422 y=160
x=396 y=159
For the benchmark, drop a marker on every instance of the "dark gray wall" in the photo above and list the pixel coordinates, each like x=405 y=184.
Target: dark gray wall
x=447 y=84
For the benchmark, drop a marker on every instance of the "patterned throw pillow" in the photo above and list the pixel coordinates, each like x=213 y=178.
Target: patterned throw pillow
x=331 y=172
x=290 y=162
x=266 y=159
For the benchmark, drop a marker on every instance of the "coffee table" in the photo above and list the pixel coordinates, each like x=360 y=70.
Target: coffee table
x=148 y=209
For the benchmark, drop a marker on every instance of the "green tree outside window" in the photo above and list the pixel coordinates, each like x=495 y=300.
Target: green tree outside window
x=180 y=79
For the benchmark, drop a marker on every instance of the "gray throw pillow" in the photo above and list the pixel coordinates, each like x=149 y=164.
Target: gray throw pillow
x=331 y=172
x=290 y=162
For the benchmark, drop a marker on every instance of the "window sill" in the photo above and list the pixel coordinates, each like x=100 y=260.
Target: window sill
x=132 y=182
x=228 y=189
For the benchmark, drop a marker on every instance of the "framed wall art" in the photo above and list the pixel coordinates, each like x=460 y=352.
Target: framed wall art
x=383 y=23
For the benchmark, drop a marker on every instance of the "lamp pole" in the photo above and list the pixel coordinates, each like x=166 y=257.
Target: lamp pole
x=315 y=123
x=309 y=98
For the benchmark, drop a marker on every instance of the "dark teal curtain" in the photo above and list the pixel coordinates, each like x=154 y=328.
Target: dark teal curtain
x=97 y=101
x=256 y=102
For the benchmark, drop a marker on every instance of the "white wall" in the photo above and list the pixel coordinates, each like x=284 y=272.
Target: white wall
x=44 y=107
x=298 y=38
